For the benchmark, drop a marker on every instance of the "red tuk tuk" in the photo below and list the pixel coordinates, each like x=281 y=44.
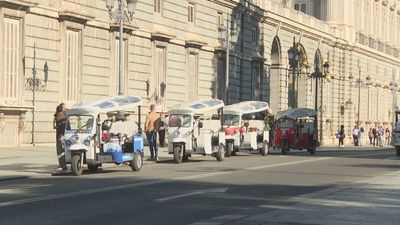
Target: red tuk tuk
x=296 y=129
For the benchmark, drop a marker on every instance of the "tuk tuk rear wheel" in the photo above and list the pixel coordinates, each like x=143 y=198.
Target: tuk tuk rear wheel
x=137 y=162
x=397 y=150
x=221 y=153
x=284 y=147
x=178 y=154
x=264 y=150
x=76 y=165
x=229 y=149
x=313 y=148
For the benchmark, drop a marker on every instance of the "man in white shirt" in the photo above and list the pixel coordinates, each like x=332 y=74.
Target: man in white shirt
x=355 y=135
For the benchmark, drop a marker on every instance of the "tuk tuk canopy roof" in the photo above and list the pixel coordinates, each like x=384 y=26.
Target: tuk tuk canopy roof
x=104 y=105
x=197 y=107
x=297 y=113
x=246 y=107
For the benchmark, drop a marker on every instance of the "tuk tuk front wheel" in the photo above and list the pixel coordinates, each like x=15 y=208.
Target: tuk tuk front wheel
x=284 y=147
x=264 y=150
x=397 y=150
x=178 y=154
x=76 y=165
x=137 y=162
x=221 y=153
x=229 y=149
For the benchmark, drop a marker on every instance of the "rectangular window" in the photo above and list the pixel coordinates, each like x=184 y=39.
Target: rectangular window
x=220 y=86
x=12 y=59
x=256 y=82
x=193 y=77
x=220 y=19
x=191 y=12
x=302 y=7
x=254 y=35
x=72 y=66
x=160 y=78
x=157 y=6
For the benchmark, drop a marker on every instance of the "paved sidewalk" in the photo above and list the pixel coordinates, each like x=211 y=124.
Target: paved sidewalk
x=373 y=201
x=29 y=161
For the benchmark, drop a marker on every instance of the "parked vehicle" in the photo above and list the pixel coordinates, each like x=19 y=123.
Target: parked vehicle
x=98 y=132
x=192 y=131
x=295 y=129
x=396 y=132
x=244 y=126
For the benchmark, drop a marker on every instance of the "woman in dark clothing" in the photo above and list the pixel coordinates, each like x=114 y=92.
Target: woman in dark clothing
x=59 y=125
x=341 y=136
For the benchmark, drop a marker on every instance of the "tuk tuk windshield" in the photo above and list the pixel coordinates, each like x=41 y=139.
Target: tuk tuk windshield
x=179 y=120
x=81 y=123
x=285 y=123
x=231 y=120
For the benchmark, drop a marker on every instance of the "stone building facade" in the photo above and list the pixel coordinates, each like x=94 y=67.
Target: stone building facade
x=172 y=54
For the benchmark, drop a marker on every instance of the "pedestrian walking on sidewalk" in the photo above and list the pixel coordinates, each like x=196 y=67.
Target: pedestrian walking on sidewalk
x=387 y=137
x=370 y=136
x=355 y=134
x=59 y=122
x=381 y=134
x=161 y=130
x=150 y=128
x=341 y=136
x=361 y=136
x=375 y=136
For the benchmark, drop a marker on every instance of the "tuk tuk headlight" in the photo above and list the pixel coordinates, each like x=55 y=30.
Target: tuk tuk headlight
x=68 y=143
x=86 y=142
x=177 y=134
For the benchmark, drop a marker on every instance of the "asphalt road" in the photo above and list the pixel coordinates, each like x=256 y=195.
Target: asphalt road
x=188 y=193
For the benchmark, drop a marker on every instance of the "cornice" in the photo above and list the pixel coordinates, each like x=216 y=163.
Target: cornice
x=23 y=5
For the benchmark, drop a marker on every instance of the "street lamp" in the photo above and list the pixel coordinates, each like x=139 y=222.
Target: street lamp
x=228 y=37
x=35 y=84
x=318 y=75
x=295 y=57
x=359 y=84
x=121 y=15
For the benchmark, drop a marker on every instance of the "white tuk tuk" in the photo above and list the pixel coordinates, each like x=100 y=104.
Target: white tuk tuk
x=98 y=132
x=244 y=129
x=396 y=132
x=190 y=131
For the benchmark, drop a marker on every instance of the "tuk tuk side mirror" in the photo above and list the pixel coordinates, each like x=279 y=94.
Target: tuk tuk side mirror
x=200 y=125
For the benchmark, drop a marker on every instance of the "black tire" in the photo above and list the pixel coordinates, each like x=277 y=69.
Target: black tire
x=93 y=168
x=229 y=149
x=220 y=155
x=313 y=147
x=76 y=165
x=185 y=158
x=397 y=150
x=265 y=149
x=137 y=161
x=284 y=147
x=178 y=154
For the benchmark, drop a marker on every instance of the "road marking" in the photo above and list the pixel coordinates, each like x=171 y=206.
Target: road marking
x=288 y=163
x=148 y=183
x=212 y=190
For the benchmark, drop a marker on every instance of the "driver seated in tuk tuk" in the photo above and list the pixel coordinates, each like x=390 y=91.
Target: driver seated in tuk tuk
x=298 y=125
x=174 y=121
